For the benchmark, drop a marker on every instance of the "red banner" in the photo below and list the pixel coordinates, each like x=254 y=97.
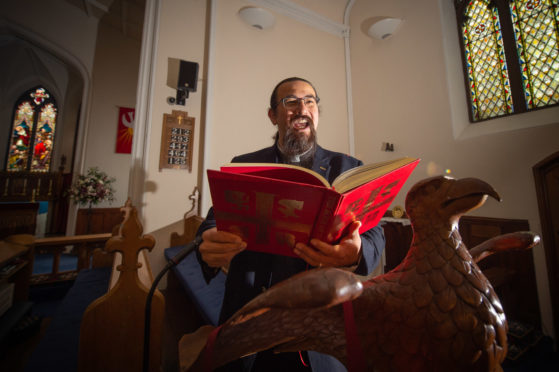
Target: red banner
x=125 y=130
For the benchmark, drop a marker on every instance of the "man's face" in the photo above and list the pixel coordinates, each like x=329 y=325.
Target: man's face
x=299 y=118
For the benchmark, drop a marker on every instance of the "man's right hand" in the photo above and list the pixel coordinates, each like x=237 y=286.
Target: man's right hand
x=219 y=247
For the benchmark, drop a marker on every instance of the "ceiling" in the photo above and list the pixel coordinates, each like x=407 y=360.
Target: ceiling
x=127 y=16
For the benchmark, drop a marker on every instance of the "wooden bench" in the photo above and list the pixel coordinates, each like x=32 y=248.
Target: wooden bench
x=99 y=325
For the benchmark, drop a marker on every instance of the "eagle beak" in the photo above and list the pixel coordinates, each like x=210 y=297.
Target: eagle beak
x=469 y=193
x=472 y=186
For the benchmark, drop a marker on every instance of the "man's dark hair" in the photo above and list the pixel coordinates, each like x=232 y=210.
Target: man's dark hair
x=274 y=97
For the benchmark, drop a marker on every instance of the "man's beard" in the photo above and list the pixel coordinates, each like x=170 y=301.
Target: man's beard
x=297 y=145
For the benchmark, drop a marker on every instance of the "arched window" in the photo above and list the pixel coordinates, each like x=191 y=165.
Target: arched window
x=32 y=133
x=511 y=55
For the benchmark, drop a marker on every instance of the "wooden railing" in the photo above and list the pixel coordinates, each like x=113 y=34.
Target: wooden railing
x=30 y=187
x=87 y=248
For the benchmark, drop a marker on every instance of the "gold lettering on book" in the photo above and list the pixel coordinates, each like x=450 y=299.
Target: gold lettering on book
x=370 y=207
x=388 y=188
x=364 y=212
x=263 y=218
x=264 y=208
x=372 y=197
x=289 y=207
x=353 y=207
x=238 y=199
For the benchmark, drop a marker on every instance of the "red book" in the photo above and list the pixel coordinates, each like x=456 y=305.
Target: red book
x=274 y=206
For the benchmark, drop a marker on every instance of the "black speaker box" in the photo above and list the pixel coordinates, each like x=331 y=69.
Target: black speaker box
x=182 y=74
x=188 y=75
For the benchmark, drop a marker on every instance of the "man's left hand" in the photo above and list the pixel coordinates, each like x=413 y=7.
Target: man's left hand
x=322 y=254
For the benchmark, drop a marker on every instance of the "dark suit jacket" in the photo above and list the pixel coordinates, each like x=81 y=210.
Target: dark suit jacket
x=250 y=273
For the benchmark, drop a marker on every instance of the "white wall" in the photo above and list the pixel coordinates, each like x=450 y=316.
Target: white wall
x=114 y=82
x=250 y=62
x=181 y=35
x=404 y=95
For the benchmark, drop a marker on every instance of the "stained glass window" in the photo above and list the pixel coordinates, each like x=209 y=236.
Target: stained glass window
x=536 y=25
x=511 y=55
x=33 y=129
x=487 y=66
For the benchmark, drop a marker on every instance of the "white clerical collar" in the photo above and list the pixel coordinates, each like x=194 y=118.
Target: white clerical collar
x=294 y=158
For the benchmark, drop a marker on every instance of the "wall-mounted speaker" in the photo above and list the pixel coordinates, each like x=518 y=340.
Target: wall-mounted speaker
x=182 y=76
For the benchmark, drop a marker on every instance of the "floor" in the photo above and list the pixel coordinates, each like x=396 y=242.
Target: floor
x=179 y=320
x=15 y=352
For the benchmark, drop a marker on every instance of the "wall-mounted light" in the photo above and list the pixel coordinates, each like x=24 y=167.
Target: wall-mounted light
x=257 y=17
x=383 y=27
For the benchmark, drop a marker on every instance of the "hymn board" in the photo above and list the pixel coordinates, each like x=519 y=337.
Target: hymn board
x=177 y=138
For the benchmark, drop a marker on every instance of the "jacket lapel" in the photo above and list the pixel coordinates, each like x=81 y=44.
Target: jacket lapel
x=321 y=163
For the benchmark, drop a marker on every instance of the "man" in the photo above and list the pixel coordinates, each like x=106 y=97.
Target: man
x=294 y=110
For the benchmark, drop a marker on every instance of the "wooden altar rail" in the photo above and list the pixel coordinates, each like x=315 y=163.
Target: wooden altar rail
x=83 y=245
x=25 y=187
x=30 y=186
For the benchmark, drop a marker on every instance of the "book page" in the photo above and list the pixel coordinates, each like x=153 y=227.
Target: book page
x=286 y=172
x=355 y=177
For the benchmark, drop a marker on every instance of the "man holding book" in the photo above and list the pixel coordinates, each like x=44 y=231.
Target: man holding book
x=294 y=110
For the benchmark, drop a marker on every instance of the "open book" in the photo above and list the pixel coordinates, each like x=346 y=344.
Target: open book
x=274 y=206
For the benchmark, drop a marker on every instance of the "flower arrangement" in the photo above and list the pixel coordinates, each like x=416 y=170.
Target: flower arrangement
x=92 y=188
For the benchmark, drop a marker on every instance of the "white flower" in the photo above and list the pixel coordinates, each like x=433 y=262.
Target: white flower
x=92 y=188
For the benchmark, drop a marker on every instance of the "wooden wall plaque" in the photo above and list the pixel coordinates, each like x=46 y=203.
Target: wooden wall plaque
x=177 y=140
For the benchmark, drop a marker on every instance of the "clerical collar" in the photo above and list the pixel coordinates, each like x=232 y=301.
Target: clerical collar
x=294 y=158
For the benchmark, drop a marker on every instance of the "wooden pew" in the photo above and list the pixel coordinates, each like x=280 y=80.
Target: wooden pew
x=112 y=328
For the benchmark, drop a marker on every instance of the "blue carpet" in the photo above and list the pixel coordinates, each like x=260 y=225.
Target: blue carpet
x=43 y=263
x=47 y=297
x=59 y=347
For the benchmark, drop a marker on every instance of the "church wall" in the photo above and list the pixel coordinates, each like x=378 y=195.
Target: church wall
x=114 y=82
x=52 y=20
x=181 y=35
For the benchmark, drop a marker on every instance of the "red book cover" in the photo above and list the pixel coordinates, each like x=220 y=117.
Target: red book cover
x=273 y=206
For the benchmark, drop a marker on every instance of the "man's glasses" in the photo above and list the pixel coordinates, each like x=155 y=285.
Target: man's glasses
x=291 y=102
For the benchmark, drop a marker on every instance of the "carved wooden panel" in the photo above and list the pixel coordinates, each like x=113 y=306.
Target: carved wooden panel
x=101 y=220
x=18 y=218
